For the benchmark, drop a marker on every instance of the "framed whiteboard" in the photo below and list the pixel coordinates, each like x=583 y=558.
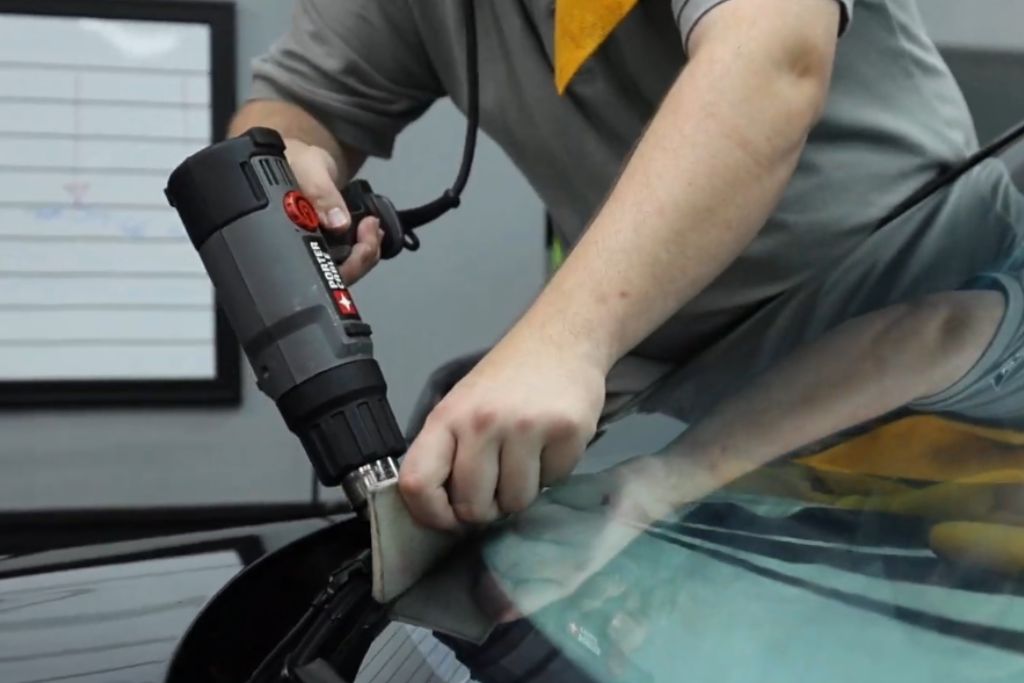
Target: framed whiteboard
x=102 y=297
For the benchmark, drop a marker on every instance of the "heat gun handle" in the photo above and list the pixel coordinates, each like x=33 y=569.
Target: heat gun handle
x=363 y=202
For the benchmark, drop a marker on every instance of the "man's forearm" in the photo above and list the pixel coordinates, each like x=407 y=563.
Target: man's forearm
x=699 y=186
x=861 y=370
x=294 y=122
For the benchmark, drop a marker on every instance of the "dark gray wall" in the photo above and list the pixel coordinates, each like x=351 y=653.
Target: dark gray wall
x=984 y=47
x=994 y=24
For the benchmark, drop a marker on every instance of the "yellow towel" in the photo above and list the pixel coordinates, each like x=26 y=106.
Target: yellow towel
x=967 y=480
x=996 y=547
x=580 y=28
x=926 y=448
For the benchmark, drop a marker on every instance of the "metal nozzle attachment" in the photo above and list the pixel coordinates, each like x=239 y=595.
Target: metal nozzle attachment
x=357 y=483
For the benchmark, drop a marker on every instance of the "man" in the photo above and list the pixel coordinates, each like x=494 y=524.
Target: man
x=729 y=160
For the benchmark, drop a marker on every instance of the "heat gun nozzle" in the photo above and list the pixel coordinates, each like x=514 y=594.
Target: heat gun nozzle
x=357 y=484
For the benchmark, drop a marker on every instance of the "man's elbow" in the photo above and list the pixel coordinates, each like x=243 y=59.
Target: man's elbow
x=802 y=73
x=787 y=47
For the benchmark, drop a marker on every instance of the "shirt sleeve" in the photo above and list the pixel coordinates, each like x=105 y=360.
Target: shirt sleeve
x=689 y=13
x=358 y=66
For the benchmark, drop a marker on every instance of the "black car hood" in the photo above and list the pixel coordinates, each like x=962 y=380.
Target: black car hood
x=114 y=613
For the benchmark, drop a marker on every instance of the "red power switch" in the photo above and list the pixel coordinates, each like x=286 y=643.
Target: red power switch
x=300 y=211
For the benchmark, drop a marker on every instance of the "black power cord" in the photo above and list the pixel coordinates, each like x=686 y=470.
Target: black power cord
x=451 y=198
x=953 y=174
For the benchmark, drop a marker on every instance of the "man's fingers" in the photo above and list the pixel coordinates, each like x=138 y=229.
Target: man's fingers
x=423 y=474
x=314 y=170
x=474 y=478
x=560 y=457
x=519 y=478
x=368 y=232
x=365 y=253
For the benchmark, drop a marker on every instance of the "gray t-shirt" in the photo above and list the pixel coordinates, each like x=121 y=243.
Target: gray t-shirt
x=895 y=117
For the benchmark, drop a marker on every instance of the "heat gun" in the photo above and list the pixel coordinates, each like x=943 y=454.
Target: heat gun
x=260 y=241
x=275 y=276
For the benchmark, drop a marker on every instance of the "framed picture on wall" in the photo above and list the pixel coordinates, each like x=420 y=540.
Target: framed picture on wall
x=103 y=300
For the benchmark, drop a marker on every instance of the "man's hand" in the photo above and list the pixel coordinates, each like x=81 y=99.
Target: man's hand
x=317 y=175
x=320 y=162
x=735 y=120
x=518 y=421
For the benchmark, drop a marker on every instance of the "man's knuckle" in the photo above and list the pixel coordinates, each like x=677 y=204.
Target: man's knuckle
x=442 y=415
x=564 y=426
x=482 y=420
x=512 y=503
x=350 y=276
x=368 y=257
x=470 y=512
x=524 y=424
x=370 y=239
x=411 y=484
x=315 y=183
x=319 y=193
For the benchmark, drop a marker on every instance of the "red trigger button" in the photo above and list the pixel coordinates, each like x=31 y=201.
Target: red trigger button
x=300 y=211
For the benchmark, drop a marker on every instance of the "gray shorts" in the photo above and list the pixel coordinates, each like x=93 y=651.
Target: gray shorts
x=971 y=235
x=993 y=390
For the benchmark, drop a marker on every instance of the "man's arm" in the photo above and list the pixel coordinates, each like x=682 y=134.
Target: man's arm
x=701 y=183
x=294 y=122
x=859 y=371
x=321 y=164
x=705 y=177
x=356 y=72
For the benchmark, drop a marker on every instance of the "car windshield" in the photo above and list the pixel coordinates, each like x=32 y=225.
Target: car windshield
x=890 y=551
x=795 y=531
x=806 y=463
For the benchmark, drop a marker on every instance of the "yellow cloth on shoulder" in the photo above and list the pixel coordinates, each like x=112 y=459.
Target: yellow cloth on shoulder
x=580 y=28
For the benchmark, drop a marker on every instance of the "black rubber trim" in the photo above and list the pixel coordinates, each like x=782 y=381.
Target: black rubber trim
x=357 y=329
x=216 y=185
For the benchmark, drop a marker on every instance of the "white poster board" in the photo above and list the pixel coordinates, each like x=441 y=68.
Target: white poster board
x=98 y=281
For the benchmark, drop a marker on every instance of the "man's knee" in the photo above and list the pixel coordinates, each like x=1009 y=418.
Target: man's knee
x=947 y=323
x=936 y=341
x=976 y=340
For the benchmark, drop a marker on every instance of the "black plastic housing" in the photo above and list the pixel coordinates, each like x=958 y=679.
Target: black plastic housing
x=203 y=211
x=343 y=419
